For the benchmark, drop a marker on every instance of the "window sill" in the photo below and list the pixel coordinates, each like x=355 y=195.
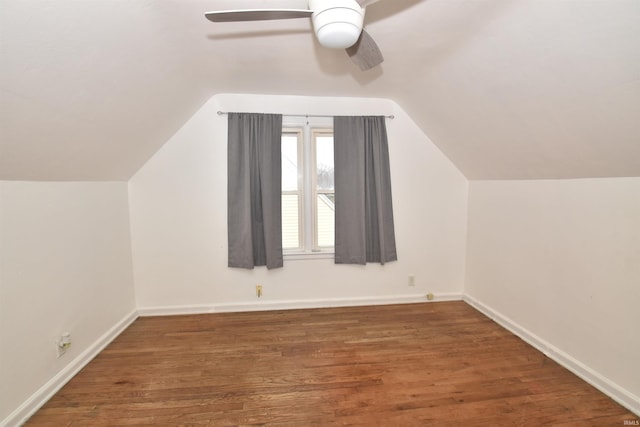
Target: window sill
x=300 y=256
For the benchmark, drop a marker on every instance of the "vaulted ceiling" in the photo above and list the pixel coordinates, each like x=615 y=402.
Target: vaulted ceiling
x=507 y=89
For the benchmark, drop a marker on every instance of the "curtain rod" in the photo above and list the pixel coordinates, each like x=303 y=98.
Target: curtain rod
x=221 y=113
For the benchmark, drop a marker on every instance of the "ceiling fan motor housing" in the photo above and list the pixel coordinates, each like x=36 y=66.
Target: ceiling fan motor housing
x=337 y=23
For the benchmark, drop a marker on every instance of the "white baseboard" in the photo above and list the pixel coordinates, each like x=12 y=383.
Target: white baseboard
x=266 y=305
x=40 y=397
x=611 y=389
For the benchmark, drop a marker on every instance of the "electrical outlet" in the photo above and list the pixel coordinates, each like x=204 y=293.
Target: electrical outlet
x=412 y=280
x=430 y=296
x=258 y=291
x=63 y=343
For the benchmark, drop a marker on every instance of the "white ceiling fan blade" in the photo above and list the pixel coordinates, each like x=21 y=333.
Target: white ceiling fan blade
x=365 y=53
x=256 y=14
x=365 y=3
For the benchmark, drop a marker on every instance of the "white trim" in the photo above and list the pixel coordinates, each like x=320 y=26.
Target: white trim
x=266 y=305
x=608 y=387
x=46 y=392
x=305 y=256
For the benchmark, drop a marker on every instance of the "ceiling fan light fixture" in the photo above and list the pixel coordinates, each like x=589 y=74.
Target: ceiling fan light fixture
x=338 y=35
x=337 y=24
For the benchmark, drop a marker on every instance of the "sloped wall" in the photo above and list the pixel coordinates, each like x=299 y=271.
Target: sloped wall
x=179 y=216
x=559 y=262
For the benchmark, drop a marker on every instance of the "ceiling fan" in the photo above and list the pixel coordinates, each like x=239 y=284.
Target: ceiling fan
x=337 y=24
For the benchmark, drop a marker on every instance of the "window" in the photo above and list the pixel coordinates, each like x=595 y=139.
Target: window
x=308 y=192
x=292 y=185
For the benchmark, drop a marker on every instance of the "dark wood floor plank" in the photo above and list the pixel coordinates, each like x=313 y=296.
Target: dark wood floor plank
x=416 y=364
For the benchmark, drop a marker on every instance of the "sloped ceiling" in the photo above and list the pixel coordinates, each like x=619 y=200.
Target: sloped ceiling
x=508 y=89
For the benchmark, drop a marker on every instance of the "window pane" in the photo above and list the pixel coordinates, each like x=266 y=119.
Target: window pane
x=324 y=162
x=325 y=214
x=290 y=222
x=289 y=162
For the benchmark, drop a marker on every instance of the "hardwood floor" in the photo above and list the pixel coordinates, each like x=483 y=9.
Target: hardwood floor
x=418 y=364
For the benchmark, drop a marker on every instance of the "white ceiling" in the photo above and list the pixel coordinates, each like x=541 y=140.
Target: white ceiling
x=508 y=89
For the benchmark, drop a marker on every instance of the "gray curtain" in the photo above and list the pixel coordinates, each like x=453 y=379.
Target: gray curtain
x=364 y=211
x=254 y=190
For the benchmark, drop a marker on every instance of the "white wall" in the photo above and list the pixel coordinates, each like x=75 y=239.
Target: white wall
x=561 y=261
x=179 y=217
x=65 y=266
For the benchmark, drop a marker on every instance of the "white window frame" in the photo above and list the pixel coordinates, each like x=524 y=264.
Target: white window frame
x=307 y=221
x=315 y=132
x=300 y=191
